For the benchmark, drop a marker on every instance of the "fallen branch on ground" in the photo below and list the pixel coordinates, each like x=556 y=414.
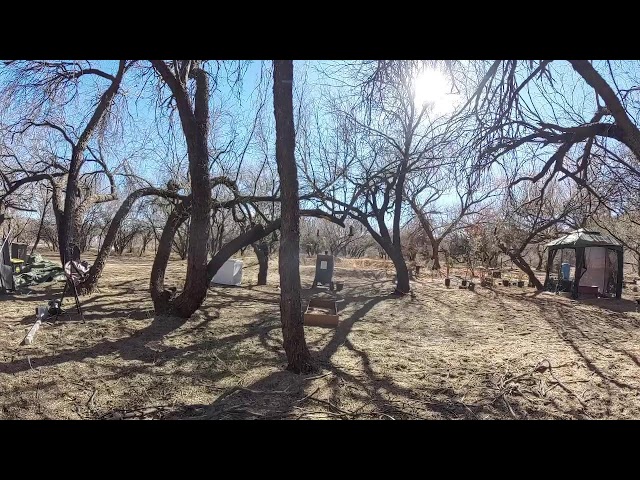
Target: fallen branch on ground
x=507 y=386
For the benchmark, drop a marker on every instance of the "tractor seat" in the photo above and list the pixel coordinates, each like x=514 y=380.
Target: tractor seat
x=16 y=265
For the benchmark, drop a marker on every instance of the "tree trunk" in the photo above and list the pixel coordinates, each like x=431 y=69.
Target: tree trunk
x=195 y=125
x=521 y=263
x=67 y=230
x=245 y=239
x=44 y=213
x=393 y=251
x=145 y=241
x=95 y=272
x=426 y=227
x=161 y=297
x=540 y=254
x=435 y=245
x=263 y=263
x=71 y=220
x=402 y=283
x=402 y=272
x=298 y=356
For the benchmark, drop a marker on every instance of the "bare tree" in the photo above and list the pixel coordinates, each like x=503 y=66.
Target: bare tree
x=377 y=144
x=49 y=82
x=570 y=117
x=43 y=214
x=188 y=84
x=295 y=345
x=527 y=218
x=437 y=221
x=193 y=109
x=352 y=240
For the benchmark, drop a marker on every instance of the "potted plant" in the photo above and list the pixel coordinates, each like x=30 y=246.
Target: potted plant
x=447 y=282
x=506 y=282
x=472 y=286
x=520 y=281
x=464 y=282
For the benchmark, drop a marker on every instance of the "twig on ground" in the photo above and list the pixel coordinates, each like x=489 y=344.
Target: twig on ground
x=308 y=396
x=226 y=367
x=89 y=403
x=121 y=414
x=318 y=376
x=328 y=403
x=319 y=412
x=506 y=386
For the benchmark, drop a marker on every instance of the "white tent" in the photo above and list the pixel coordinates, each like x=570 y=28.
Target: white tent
x=596 y=273
x=230 y=273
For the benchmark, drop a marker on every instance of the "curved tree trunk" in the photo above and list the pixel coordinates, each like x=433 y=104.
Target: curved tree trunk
x=195 y=126
x=161 y=297
x=95 y=272
x=522 y=264
x=402 y=271
x=245 y=239
x=39 y=234
x=295 y=346
x=254 y=235
x=263 y=263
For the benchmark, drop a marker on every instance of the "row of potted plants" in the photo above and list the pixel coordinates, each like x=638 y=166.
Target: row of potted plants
x=468 y=283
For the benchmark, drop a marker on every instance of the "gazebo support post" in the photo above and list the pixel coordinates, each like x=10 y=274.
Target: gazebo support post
x=579 y=267
x=551 y=255
x=620 y=273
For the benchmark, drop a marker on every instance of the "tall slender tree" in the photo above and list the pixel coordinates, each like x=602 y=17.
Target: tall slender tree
x=298 y=356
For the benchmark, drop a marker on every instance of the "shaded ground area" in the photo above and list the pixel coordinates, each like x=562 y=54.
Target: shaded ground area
x=438 y=353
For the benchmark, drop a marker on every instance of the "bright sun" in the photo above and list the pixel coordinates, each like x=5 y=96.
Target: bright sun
x=432 y=86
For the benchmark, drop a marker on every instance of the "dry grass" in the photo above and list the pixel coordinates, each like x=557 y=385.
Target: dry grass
x=438 y=353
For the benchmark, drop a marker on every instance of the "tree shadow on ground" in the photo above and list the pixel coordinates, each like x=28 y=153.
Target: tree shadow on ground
x=584 y=333
x=32 y=296
x=157 y=328
x=620 y=305
x=284 y=395
x=372 y=392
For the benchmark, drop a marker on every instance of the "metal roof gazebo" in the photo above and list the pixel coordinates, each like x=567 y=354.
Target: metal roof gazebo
x=599 y=262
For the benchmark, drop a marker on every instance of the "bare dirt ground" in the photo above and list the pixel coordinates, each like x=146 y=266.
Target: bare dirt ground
x=505 y=352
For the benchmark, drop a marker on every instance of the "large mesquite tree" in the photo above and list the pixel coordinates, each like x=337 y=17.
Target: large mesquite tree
x=193 y=109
